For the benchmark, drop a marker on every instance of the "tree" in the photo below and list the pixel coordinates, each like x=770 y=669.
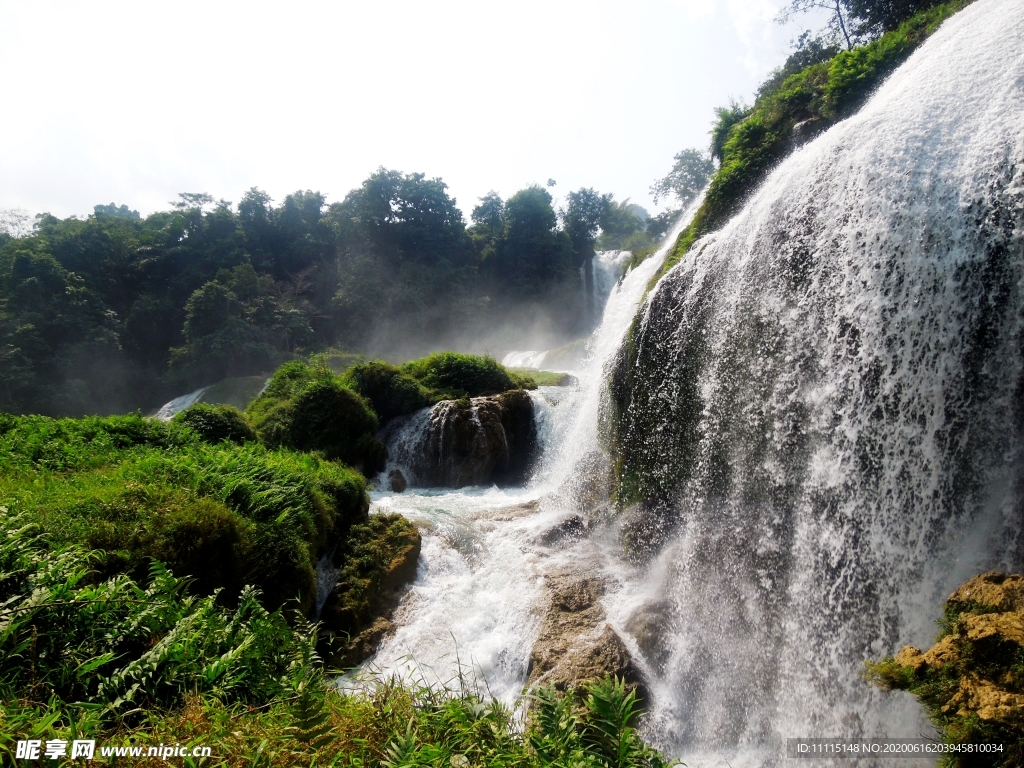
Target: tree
x=688 y=176
x=487 y=215
x=839 y=21
x=531 y=254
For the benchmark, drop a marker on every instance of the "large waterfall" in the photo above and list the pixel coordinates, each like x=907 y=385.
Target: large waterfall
x=816 y=421
x=820 y=411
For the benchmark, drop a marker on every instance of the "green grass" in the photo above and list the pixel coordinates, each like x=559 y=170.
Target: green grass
x=223 y=514
x=544 y=378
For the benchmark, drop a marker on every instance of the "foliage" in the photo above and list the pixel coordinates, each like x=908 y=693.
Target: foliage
x=137 y=489
x=214 y=423
x=688 y=176
x=451 y=375
x=390 y=391
x=310 y=408
x=140 y=662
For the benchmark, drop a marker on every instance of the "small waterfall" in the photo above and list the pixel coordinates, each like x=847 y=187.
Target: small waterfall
x=177 y=405
x=821 y=411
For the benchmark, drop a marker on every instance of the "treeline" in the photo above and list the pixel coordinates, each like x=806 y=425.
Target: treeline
x=116 y=312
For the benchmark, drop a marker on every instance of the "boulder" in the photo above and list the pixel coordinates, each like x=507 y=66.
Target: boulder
x=648 y=625
x=576 y=643
x=473 y=441
x=994 y=591
x=396 y=481
x=357 y=612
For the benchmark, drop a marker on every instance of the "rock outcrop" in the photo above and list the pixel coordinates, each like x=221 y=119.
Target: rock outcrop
x=473 y=441
x=971 y=679
x=576 y=643
x=357 y=612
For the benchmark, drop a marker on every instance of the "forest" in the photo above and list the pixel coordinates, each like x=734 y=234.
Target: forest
x=117 y=312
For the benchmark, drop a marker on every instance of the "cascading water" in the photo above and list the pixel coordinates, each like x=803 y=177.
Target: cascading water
x=475 y=600
x=819 y=415
x=820 y=412
x=177 y=405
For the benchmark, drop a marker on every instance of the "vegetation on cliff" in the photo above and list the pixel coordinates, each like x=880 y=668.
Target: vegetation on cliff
x=971 y=682
x=795 y=105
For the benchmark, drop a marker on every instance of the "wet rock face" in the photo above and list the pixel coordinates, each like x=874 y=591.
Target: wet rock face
x=361 y=627
x=475 y=441
x=648 y=626
x=576 y=643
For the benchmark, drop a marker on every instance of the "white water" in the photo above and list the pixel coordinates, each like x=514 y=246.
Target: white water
x=830 y=389
x=177 y=405
x=834 y=317
x=477 y=595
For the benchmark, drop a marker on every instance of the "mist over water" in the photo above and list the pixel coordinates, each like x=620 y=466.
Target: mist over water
x=831 y=387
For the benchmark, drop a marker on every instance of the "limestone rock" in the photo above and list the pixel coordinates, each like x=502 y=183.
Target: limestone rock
x=994 y=589
x=991 y=630
x=474 y=441
x=989 y=701
x=576 y=643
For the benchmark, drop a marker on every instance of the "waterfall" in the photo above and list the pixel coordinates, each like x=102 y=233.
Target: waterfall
x=177 y=405
x=819 y=416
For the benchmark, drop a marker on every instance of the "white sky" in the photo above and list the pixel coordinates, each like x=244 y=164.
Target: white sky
x=133 y=102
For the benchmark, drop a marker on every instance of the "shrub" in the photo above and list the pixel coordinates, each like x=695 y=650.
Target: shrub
x=310 y=408
x=214 y=423
x=391 y=392
x=451 y=375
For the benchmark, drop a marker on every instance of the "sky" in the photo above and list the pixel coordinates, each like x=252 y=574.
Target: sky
x=132 y=103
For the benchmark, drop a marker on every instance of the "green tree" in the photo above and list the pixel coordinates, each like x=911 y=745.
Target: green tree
x=689 y=175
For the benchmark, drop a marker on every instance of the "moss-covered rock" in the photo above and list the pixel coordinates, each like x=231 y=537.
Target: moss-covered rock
x=376 y=561
x=391 y=392
x=972 y=680
x=311 y=408
x=451 y=375
x=214 y=423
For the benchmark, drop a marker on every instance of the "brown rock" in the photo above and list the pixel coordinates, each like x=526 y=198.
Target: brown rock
x=993 y=589
x=989 y=631
x=989 y=701
x=943 y=652
x=576 y=643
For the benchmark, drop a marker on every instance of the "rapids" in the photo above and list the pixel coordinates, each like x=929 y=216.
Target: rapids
x=819 y=415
